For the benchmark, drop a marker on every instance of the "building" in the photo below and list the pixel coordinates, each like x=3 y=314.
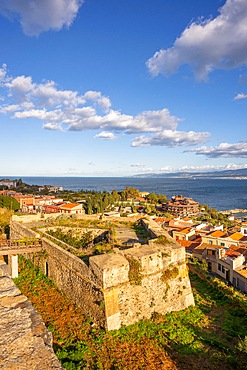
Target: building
x=50 y=188
x=228 y=264
x=181 y=206
x=224 y=239
x=72 y=208
x=8 y=183
x=185 y=234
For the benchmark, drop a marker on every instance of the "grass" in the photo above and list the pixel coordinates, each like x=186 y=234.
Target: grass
x=210 y=335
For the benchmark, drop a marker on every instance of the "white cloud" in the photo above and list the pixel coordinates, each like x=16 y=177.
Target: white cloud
x=136 y=165
x=52 y=126
x=240 y=96
x=171 y=139
x=224 y=150
x=67 y=110
x=199 y=168
x=203 y=168
x=3 y=73
x=96 y=96
x=37 y=16
x=167 y=169
x=233 y=166
x=218 y=43
x=105 y=135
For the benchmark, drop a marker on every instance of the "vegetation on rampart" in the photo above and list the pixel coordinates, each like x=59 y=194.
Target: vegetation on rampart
x=135 y=277
x=169 y=274
x=162 y=239
x=68 y=234
x=211 y=335
x=71 y=238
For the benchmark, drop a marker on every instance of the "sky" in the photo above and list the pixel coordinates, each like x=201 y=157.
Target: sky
x=119 y=88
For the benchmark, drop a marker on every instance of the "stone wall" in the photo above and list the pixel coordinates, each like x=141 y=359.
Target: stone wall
x=122 y=287
x=25 y=343
x=74 y=278
x=18 y=230
x=140 y=281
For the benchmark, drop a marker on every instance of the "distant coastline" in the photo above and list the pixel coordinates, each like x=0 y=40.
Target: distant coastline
x=221 y=194
x=235 y=211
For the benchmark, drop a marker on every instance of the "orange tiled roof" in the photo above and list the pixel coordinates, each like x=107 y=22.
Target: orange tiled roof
x=189 y=244
x=243 y=273
x=187 y=219
x=232 y=253
x=69 y=205
x=236 y=236
x=162 y=219
x=218 y=234
x=187 y=230
x=211 y=246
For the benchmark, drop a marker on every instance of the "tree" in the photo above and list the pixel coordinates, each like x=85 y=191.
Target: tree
x=152 y=198
x=9 y=203
x=162 y=198
x=130 y=193
x=5 y=216
x=115 y=195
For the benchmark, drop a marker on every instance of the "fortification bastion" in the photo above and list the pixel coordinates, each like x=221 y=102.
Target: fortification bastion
x=121 y=287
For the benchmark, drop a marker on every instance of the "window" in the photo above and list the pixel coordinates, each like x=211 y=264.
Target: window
x=219 y=266
x=209 y=266
x=223 y=269
x=213 y=253
x=210 y=242
x=222 y=244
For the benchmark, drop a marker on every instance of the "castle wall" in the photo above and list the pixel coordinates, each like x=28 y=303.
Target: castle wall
x=122 y=287
x=138 y=283
x=74 y=278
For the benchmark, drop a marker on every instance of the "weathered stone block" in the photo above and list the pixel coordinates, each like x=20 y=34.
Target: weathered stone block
x=110 y=269
x=150 y=259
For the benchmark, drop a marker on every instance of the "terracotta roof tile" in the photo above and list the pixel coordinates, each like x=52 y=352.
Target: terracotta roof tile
x=243 y=273
x=69 y=205
x=236 y=236
x=218 y=234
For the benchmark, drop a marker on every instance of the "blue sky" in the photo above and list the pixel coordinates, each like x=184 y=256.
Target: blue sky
x=117 y=88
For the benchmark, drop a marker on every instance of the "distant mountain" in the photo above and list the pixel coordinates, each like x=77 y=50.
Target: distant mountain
x=241 y=173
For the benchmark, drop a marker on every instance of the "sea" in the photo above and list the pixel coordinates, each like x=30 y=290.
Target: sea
x=219 y=193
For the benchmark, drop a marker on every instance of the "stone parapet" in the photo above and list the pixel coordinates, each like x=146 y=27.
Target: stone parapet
x=25 y=343
x=18 y=230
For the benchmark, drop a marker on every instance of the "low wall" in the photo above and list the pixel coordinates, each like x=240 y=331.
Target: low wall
x=18 y=230
x=35 y=217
